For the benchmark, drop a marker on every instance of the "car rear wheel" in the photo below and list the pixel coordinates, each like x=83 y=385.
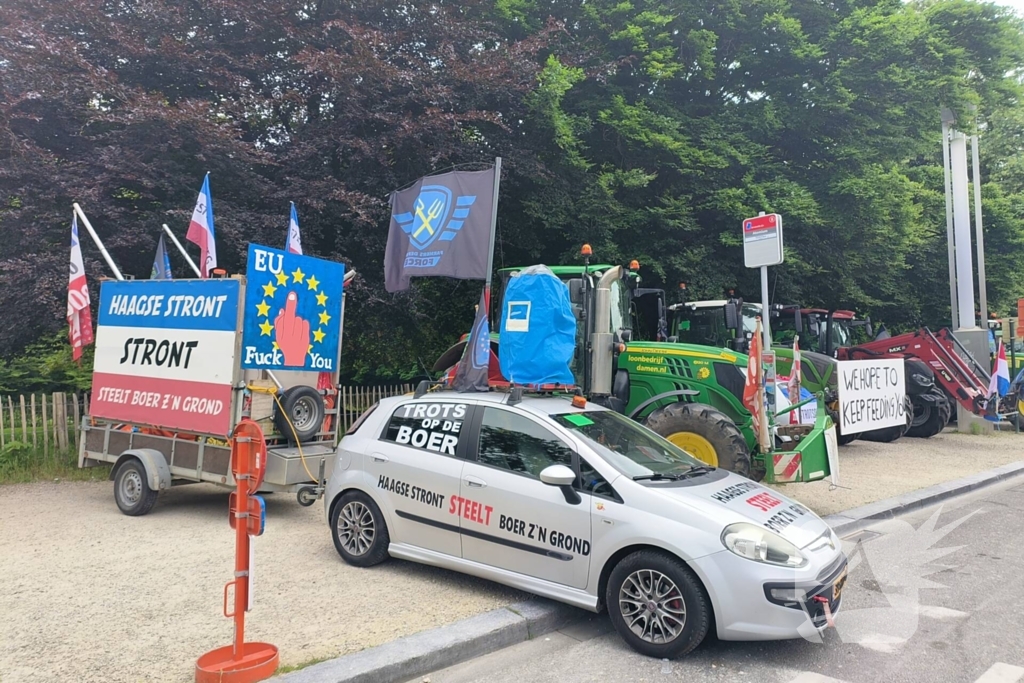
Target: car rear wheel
x=360 y=535
x=657 y=605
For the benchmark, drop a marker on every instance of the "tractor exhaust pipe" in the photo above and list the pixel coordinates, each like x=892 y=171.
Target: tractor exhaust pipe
x=603 y=337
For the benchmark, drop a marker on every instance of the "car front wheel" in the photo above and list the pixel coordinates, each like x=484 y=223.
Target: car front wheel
x=657 y=605
x=360 y=535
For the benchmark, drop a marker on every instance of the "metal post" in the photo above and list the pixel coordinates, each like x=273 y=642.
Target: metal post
x=494 y=230
x=978 y=233
x=765 y=312
x=191 y=263
x=96 y=239
x=947 y=123
x=962 y=231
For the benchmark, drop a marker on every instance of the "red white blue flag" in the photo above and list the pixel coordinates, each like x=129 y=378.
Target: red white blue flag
x=79 y=316
x=200 y=229
x=294 y=242
x=1000 y=383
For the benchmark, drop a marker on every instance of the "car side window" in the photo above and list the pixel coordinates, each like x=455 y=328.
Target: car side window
x=514 y=442
x=593 y=483
x=430 y=426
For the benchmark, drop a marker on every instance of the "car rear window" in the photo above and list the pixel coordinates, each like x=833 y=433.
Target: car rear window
x=361 y=419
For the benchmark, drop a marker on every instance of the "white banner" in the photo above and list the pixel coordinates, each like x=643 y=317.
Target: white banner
x=871 y=394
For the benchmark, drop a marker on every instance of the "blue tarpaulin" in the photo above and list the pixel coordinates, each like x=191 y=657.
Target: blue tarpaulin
x=538 y=330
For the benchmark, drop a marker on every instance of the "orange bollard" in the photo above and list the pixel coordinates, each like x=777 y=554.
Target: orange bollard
x=242 y=662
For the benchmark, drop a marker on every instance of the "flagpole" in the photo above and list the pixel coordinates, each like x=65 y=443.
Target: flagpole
x=184 y=253
x=96 y=239
x=494 y=230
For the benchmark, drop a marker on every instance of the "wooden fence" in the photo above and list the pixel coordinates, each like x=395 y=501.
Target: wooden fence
x=49 y=422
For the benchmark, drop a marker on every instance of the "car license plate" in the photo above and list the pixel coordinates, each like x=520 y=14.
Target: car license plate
x=837 y=587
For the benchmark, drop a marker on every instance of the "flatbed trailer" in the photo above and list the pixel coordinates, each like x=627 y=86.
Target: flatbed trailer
x=161 y=422
x=183 y=458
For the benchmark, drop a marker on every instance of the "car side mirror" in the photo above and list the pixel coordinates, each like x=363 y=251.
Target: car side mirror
x=562 y=477
x=732 y=316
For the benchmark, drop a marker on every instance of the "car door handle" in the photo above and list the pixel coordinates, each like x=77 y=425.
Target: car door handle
x=475 y=482
x=379 y=458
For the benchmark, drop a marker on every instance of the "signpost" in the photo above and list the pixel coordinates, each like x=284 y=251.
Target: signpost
x=762 y=247
x=242 y=662
x=871 y=394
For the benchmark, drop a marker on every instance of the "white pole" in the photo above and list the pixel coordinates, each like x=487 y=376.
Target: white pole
x=954 y=314
x=184 y=253
x=962 y=231
x=978 y=233
x=765 y=312
x=96 y=239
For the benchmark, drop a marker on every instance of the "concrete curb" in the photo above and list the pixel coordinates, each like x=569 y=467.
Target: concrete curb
x=855 y=519
x=440 y=647
x=444 y=646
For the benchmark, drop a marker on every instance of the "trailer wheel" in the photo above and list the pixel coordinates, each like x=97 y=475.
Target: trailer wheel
x=304 y=407
x=306 y=496
x=930 y=417
x=705 y=433
x=131 y=490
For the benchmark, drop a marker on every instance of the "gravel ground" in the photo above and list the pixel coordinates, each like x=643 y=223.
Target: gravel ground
x=87 y=594
x=906 y=465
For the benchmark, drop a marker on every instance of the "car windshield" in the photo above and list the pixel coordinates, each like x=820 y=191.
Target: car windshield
x=633 y=450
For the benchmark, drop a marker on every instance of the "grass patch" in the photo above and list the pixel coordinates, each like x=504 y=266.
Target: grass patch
x=21 y=464
x=288 y=668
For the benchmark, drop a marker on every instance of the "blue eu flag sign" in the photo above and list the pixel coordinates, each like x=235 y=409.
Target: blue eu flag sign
x=471 y=374
x=441 y=225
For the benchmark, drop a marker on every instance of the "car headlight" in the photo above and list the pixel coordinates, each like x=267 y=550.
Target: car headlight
x=761 y=545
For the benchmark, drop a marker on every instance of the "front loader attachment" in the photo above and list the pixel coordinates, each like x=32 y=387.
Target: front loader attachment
x=802 y=453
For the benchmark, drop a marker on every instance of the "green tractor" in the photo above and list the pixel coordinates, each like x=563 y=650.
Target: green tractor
x=729 y=324
x=690 y=394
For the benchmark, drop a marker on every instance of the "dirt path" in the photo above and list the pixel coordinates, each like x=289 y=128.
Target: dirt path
x=873 y=471
x=87 y=594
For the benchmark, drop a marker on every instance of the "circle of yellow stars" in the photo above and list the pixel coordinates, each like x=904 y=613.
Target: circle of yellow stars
x=297 y=277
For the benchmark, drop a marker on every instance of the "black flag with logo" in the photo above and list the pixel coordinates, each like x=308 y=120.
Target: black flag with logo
x=440 y=226
x=471 y=375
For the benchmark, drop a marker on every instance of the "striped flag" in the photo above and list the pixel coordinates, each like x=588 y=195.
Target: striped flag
x=753 y=390
x=999 y=385
x=293 y=244
x=794 y=382
x=79 y=315
x=200 y=229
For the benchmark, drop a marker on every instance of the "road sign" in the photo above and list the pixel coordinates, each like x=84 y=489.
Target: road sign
x=256 y=522
x=762 y=240
x=249 y=453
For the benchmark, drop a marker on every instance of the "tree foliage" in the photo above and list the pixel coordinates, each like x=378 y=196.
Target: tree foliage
x=647 y=128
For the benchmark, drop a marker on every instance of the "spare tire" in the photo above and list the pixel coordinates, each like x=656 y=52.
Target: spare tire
x=303 y=409
x=705 y=433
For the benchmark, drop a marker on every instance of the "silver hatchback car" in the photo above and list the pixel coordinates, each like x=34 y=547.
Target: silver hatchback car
x=584 y=506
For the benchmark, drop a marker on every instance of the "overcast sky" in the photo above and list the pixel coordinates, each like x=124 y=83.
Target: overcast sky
x=1016 y=4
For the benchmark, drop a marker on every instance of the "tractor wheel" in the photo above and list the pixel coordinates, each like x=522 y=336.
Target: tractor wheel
x=705 y=433
x=930 y=417
x=890 y=434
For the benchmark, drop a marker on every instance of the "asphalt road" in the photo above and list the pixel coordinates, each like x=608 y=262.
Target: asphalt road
x=933 y=597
